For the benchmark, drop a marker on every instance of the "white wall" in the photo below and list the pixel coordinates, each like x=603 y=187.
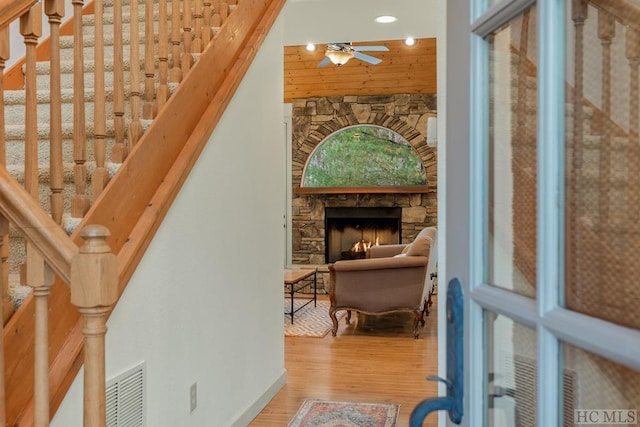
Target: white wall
x=205 y=304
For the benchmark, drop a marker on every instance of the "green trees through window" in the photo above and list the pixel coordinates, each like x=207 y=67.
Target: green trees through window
x=363 y=156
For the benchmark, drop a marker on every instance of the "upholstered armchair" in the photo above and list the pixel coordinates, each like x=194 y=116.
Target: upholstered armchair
x=393 y=278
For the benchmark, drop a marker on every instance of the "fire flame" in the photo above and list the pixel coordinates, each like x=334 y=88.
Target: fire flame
x=363 y=246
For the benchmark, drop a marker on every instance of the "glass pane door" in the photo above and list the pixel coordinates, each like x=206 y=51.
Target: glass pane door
x=554 y=213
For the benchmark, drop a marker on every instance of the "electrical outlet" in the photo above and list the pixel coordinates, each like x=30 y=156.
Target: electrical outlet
x=193 y=396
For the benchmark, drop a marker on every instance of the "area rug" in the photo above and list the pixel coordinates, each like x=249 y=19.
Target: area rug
x=310 y=321
x=323 y=413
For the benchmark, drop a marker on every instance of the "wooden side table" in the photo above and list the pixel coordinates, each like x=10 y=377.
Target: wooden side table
x=296 y=280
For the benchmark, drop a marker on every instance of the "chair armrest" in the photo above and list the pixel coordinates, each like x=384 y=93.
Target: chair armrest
x=385 y=250
x=379 y=263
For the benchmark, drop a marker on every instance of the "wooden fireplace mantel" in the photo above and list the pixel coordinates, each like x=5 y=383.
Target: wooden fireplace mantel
x=363 y=190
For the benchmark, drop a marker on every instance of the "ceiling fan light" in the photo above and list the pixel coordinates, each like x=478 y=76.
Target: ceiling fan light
x=338 y=57
x=310 y=47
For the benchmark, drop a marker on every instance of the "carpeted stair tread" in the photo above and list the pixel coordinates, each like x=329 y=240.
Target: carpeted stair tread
x=17 y=97
x=108 y=15
x=14 y=104
x=68 y=42
x=44 y=172
x=66 y=66
x=15 y=152
x=16 y=132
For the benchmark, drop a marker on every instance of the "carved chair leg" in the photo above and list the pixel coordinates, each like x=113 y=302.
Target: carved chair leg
x=417 y=320
x=348 y=317
x=334 y=320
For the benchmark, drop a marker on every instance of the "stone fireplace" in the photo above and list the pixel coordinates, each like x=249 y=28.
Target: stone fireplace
x=314 y=119
x=349 y=232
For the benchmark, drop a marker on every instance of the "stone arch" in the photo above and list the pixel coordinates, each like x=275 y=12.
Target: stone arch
x=316 y=135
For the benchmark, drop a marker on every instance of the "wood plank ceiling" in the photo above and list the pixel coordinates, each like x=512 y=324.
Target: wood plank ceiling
x=404 y=69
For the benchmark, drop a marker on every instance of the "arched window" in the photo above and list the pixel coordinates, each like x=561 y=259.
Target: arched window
x=363 y=156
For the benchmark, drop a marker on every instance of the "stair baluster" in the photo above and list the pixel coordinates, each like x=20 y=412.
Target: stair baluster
x=224 y=12
x=31 y=30
x=55 y=11
x=176 y=71
x=163 y=55
x=4 y=232
x=100 y=175
x=80 y=202
x=4 y=56
x=40 y=278
x=135 y=127
x=215 y=18
x=198 y=19
x=119 y=150
x=632 y=53
x=5 y=307
x=606 y=33
x=186 y=59
x=206 y=30
x=149 y=109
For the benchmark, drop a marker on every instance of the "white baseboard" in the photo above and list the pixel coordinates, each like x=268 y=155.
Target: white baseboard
x=254 y=409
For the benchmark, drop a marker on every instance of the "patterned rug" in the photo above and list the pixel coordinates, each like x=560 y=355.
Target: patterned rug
x=310 y=321
x=323 y=413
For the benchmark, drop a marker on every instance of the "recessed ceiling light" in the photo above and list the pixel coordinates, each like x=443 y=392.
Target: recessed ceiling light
x=311 y=47
x=409 y=41
x=386 y=19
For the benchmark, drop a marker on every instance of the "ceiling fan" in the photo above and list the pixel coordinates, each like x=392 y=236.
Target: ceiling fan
x=340 y=53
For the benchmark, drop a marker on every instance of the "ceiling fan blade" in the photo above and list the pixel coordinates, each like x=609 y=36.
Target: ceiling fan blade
x=367 y=58
x=370 y=48
x=323 y=63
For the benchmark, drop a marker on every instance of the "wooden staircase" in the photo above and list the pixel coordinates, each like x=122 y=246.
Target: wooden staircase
x=133 y=203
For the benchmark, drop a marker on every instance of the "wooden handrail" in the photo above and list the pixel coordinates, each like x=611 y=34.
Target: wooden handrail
x=22 y=210
x=10 y=10
x=623 y=11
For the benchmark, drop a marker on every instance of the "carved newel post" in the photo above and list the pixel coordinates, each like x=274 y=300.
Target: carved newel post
x=94 y=290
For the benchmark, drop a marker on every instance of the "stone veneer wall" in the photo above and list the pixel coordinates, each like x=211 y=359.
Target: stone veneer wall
x=314 y=119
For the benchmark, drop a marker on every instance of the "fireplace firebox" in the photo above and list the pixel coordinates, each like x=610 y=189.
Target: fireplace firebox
x=349 y=232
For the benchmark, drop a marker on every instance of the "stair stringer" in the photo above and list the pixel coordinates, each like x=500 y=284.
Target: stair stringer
x=135 y=201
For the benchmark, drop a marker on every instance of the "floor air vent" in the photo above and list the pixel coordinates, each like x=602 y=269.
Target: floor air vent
x=125 y=399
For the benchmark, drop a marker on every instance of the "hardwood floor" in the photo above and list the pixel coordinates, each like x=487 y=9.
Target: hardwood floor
x=374 y=360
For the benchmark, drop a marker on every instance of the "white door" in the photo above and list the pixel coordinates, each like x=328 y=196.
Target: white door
x=543 y=208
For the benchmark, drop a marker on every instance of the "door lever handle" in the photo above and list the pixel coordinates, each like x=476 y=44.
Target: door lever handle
x=439 y=379
x=452 y=401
